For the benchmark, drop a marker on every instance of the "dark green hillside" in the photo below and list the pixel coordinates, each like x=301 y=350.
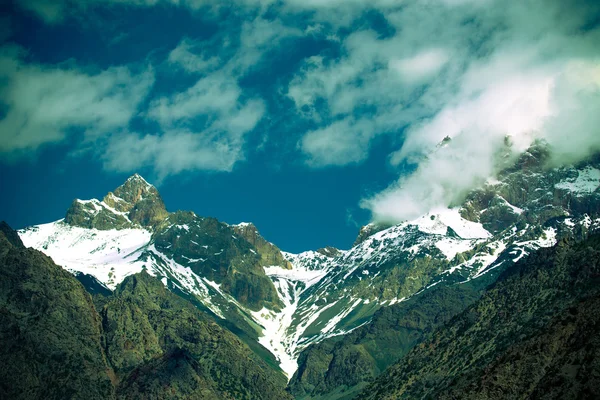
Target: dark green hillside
x=146 y=342
x=534 y=334
x=50 y=333
x=148 y=329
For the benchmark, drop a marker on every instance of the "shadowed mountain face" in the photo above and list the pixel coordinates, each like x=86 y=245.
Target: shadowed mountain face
x=533 y=334
x=144 y=343
x=50 y=333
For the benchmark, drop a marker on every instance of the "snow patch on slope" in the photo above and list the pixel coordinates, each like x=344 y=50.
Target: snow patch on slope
x=438 y=222
x=587 y=181
x=109 y=255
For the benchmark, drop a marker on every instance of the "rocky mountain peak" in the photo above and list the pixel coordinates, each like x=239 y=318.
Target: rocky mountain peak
x=135 y=203
x=135 y=189
x=329 y=251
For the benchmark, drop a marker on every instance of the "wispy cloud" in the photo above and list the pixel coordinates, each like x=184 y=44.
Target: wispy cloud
x=421 y=66
x=416 y=70
x=171 y=153
x=188 y=55
x=203 y=127
x=45 y=104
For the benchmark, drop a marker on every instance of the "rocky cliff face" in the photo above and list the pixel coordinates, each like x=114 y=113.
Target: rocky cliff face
x=270 y=255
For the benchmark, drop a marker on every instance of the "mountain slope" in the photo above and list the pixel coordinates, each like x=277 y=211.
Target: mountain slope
x=146 y=342
x=474 y=240
x=149 y=331
x=532 y=335
x=50 y=333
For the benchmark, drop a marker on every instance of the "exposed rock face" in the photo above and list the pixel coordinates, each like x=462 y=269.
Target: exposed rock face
x=217 y=252
x=270 y=255
x=532 y=193
x=329 y=251
x=533 y=334
x=146 y=342
x=369 y=230
x=135 y=203
x=93 y=214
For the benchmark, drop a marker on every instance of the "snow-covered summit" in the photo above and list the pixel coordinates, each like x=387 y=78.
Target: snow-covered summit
x=138 y=178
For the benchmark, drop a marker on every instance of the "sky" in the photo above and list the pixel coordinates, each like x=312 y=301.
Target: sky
x=309 y=118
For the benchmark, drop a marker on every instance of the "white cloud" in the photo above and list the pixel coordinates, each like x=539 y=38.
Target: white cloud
x=44 y=103
x=475 y=70
x=214 y=96
x=378 y=80
x=421 y=66
x=172 y=152
x=184 y=55
x=343 y=142
x=573 y=127
x=510 y=95
x=205 y=126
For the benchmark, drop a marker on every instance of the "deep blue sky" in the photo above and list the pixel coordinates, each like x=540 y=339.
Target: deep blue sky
x=296 y=207
x=291 y=114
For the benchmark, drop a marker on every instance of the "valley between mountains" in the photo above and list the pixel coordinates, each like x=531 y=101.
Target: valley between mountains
x=330 y=320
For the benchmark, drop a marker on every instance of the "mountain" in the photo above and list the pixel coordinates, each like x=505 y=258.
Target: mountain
x=338 y=367
x=144 y=342
x=533 y=334
x=50 y=333
x=136 y=203
x=281 y=303
x=163 y=347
